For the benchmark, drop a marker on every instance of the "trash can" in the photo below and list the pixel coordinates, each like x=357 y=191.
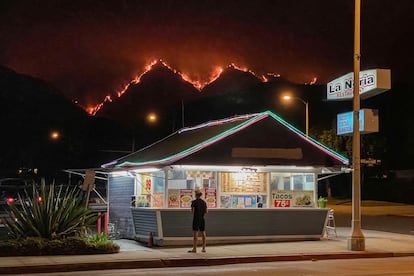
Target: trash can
x=322 y=202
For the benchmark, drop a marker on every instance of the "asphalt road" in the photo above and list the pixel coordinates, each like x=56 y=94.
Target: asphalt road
x=394 y=223
x=386 y=223
x=346 y=267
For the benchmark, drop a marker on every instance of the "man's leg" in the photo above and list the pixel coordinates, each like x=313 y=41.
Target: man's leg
x=204 y=240
x=195 y=240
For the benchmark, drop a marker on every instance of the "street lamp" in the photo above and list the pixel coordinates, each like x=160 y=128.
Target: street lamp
x=152 y=118
x=54 y=135
x=289 y=98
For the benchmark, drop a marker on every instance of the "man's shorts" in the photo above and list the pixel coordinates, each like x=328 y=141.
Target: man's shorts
x=198 y=224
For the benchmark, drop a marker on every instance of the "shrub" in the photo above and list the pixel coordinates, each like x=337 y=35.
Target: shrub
x=54 y=225
x=49 y=213
x=66 y=246
x=98 y=238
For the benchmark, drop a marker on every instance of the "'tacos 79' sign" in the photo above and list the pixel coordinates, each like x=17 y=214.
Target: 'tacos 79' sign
x=371 y=83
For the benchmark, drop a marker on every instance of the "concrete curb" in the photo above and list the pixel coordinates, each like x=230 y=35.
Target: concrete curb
x=206 y=261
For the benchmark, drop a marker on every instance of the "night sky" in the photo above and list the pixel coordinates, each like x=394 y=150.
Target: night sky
x=89 y=49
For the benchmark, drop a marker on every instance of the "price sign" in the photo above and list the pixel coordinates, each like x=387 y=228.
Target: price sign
x=282 y=203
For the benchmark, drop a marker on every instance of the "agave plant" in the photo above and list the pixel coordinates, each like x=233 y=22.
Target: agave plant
x=49 y=212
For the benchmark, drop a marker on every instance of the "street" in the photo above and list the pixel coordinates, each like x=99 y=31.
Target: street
x=388 y=223
x=380 y=218
x=373 y=266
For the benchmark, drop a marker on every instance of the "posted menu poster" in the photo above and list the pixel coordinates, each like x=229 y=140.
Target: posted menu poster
x=237 y=202
x=244 y=201
x=146 y=184
x=186 y=196
x=250 y=201
x=210 y=196
x=225 y=201
x=295 y=198
x=173 y=198
x=282 y=199
x=157 y=200
x=303 y=199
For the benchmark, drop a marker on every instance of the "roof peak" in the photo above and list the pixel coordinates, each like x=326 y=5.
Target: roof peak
x=223 y=121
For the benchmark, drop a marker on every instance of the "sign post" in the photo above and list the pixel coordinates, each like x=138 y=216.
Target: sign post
x=88 y=183
x=358 y=85
x=357 y=239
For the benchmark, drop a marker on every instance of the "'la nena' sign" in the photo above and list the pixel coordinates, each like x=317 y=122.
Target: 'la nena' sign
x=371 y=83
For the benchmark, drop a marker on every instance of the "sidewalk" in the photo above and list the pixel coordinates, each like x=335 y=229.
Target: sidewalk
x=133 y=255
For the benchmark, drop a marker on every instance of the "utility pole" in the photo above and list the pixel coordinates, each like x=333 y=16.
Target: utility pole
x=357 y=239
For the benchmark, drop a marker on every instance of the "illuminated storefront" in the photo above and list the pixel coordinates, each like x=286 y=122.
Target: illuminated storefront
x=255 y=168
x=246 y=188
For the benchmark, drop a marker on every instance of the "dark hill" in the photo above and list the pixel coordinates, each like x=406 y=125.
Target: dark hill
x=230 y=80
x=28 y=97
x=158 y=89
x=30 y=109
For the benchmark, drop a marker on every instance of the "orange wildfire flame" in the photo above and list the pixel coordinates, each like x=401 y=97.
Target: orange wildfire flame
x=313 y=81
x=198 y=84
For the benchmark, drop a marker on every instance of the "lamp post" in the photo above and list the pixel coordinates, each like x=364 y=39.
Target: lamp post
x=288 y=98
x=357 y=240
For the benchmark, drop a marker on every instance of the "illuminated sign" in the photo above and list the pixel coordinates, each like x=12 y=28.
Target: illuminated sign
x=371 y=83
x=368 y=122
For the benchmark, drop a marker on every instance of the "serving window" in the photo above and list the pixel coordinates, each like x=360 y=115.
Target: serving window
x=245 y=189
x=292 y=190
x=183 y=184
x=149 y=190
x=292 y=181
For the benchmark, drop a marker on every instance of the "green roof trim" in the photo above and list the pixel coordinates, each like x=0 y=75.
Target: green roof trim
x=194 y=148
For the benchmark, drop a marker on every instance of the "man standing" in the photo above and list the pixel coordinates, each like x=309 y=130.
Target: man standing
x=199 y=209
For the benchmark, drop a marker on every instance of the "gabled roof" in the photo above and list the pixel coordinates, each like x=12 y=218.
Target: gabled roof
x=252 y=139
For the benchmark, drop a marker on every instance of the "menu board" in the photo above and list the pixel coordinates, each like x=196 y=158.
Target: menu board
x=186 y=196
x=210 y=197
x=244 y=182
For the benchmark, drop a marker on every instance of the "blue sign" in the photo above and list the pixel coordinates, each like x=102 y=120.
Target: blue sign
x=345 y=122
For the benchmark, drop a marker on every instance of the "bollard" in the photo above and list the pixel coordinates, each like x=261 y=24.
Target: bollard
x=106 y=223
x=99 y=223
x=150 y=240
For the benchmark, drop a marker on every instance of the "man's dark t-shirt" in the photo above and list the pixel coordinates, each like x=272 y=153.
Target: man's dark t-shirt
x=200 y=208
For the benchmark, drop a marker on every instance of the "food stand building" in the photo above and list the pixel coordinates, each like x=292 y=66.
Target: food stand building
x=257 y=172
